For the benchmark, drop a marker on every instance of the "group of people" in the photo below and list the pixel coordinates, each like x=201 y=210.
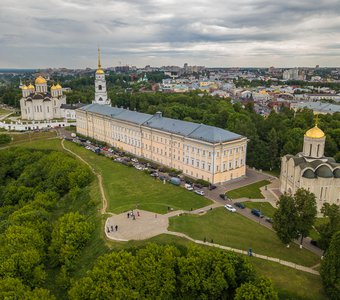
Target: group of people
x=132 y=215
x=112 y=228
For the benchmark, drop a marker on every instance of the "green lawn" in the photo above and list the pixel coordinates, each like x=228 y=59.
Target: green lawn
x=266 y=208
x=4 y=111
x=290 y=283
x=251 y=191
x=234 y=230
x=18 y=138
x=126 y=187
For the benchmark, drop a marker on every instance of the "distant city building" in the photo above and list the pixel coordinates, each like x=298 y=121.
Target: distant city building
x=311 y=170
x=37 y=103
x=293 y=74
x=100 y=96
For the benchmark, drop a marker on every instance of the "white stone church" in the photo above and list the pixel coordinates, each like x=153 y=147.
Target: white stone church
x=38 y=104
x=311 y=170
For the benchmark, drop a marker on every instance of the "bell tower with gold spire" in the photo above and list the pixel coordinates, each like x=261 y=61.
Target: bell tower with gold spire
x=100 y=85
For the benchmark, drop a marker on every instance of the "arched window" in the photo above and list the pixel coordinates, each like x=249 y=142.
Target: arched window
x=100 y=99
x=317 y=152
x=99 y=87
x=310 y=150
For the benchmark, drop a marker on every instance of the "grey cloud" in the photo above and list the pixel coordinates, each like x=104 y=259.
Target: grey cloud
x=61 y=33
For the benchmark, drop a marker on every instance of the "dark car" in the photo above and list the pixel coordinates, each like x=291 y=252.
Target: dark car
x=257 y=213
x=212 y=187
x=198 y=186
x=240 y=205
x=223 y=196
x=173 y=175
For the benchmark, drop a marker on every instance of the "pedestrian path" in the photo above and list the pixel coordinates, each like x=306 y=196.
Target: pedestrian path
x=99 y=177
x=277 y=260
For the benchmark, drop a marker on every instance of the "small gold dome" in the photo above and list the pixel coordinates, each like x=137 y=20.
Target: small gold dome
x=315 y=133
x=58 y=86
x=53 y=87
x=100 y=71
x=40 y=80
x=24 y=87
x=31 y=86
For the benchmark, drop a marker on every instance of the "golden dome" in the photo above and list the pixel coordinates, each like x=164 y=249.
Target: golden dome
x=40 y=80
x=100 y=71
x=31 y=86
x=53 y=87
x=24 y=87
x=315 y=133
x=58 y=86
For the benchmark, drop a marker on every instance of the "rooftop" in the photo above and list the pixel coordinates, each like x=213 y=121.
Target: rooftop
x=187 y=129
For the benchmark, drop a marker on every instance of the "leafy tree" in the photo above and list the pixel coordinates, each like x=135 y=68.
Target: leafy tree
x=273 y=149
x=260 y=289
x=157 y=267
x=295 y=215
x=69 y=236
x=305 y=204
x=285 y=219
x=330 y=268
x=12 y=288
x=327 y=230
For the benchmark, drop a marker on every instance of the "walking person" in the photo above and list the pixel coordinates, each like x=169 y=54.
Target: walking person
x=112 y=228
x=108 y=229
x=116 y=227
x=138 y=214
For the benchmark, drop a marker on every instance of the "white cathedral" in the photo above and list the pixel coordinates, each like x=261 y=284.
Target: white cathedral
x=100 y=96
x=38 y=104
x=311 y=170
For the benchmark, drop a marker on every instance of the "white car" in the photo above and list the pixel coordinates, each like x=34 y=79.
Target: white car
x=188 y=187
x=230 y=208
x=199 y=192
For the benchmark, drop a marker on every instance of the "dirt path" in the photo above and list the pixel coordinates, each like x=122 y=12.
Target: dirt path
x=99 y=177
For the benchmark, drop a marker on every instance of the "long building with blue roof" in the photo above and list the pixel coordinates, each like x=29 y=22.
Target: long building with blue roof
x=199 y=151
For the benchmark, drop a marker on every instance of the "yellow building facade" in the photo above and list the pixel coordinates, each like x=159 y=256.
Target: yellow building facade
x=199 y=151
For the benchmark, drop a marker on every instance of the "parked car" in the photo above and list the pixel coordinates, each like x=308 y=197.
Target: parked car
x=199 y=192
x=154 y=174
x=257 y=213
x=240 y=205
x=222 y=196
x=269 y=220
x=212 y=187
x=175 y=181
x=162 y=177
x=197 y=185
x=188 y=187
x=230 y=208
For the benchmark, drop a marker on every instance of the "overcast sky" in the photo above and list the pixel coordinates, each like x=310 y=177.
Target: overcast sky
x=66 y=33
